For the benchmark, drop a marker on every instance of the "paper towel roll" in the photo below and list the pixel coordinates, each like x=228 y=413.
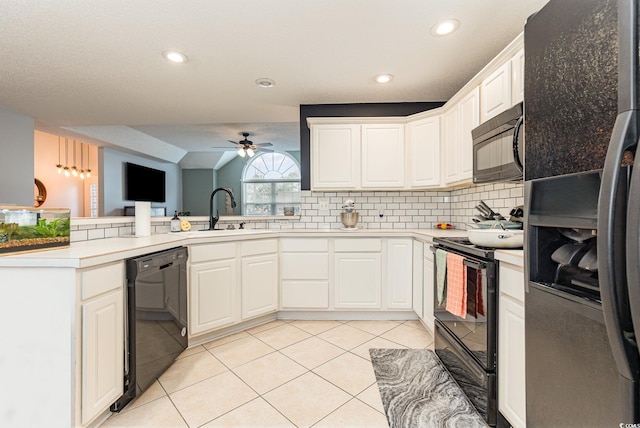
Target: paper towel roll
x=143 y=218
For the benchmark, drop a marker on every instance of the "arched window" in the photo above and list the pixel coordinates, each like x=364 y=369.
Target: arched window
x=270 y=182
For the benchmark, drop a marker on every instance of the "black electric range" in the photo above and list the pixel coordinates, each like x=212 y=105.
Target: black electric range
x=467 y=343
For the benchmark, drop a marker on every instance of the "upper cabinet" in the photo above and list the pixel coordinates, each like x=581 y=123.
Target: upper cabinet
x=383 y=156
x=459 y=120
x=335 y=156
x=517 y=77
x=496 y=92
x=355 y=156
x=423 y=136
x=432 y=149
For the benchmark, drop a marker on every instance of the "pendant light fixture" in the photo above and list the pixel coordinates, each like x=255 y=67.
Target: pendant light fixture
x=74 y=170
x=81 y=162
x=66 y=158
x=59 y=165
x=88 y=174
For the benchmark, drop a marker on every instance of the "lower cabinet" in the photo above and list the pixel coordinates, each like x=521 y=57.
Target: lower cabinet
x=102 y=309
x=213 y=287
x=511 y=345
x=428 y=287
x=230 y=282
x=357 y=275
x=357 y=281
x=259 y=272
x=213 y=294
x=399 y=273
x=418 y=278
x=304 y=273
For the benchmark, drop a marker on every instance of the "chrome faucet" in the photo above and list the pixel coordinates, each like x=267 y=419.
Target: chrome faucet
x=213 y=220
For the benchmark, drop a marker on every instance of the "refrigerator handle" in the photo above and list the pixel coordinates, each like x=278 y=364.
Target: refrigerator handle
x=611 y=248
x=628 y=99
x=516 y=147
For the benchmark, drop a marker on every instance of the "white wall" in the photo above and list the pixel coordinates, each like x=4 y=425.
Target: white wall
x=16 y=159
x=111 y=179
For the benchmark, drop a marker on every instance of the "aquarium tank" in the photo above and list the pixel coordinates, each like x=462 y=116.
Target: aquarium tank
x=28 y=229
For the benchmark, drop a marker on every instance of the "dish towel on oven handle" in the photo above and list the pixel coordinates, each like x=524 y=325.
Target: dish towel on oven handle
x=456 y=285
x=472 y=292
x=479 y=299
x=441 y=275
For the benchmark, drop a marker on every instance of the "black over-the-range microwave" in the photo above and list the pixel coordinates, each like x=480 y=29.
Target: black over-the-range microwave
x=497 y=147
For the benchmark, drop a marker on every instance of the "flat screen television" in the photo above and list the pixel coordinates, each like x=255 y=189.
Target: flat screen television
x=142 y=183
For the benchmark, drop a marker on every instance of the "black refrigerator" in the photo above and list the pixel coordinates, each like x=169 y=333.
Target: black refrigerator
x=582 y=220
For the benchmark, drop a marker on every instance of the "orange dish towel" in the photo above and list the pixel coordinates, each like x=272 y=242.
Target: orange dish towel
x=456 y=285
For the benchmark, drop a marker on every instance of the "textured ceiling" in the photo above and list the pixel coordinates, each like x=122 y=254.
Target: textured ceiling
x=81 y=64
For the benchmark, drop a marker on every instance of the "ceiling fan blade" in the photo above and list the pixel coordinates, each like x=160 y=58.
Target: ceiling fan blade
x=264 y=145
x=234 y=142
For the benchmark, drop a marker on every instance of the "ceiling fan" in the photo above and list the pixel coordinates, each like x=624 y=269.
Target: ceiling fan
x=247 y=147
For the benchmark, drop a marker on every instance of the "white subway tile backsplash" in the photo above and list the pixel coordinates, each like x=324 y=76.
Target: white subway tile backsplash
x=95 y=234
x=321 y=210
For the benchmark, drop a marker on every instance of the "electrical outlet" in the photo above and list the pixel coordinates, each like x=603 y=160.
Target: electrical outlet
x=324 y=203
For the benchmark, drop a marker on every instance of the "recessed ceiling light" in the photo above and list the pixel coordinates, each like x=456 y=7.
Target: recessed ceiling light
x=175 y=56
x=383 y=78
x=264 y=82
x=445 y=27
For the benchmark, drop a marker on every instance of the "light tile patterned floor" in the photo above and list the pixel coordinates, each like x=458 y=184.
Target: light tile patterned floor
x=280 y=374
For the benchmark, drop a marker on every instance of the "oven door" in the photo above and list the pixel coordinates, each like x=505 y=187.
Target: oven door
x=477 y=330
x=479 y=386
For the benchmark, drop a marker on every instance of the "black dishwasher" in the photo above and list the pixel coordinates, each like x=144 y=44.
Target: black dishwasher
x=156 y=322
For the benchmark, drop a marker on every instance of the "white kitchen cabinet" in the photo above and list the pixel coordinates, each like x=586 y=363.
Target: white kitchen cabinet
x=259 y=272
x=304 y=273
x=424 y=152
x=418 y=278
x=511 y=345
x=399 y=273
x=429 y=287
x=103 y=355
x=469 y=119
x=335 y=156
x=383 y=156
x=450 y=145
x=496 y=92
x=213 y=287
x=517 y=77
x=459 y=121
x=357 y=276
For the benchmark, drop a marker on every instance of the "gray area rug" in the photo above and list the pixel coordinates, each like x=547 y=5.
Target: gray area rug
x=417 y=391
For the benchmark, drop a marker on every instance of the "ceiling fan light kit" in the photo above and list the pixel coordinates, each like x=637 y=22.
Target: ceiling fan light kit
x=246 y=147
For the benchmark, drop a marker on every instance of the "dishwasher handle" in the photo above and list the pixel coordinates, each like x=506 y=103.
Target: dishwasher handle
x=165 y=266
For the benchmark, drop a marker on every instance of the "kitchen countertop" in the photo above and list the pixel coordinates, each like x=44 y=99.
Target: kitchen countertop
x=514 y=257
x=95 y=252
